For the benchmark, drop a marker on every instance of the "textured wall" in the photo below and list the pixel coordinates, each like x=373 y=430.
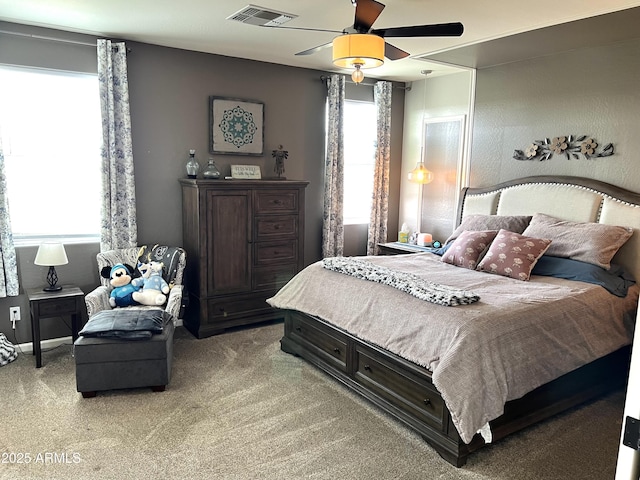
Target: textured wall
x=591 y=91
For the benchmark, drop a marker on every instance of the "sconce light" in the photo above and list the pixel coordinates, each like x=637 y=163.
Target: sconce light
x=50 y=255
x=358 y=50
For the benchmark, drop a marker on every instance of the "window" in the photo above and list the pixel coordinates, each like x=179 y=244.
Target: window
x=360 y=134
x=51 y=135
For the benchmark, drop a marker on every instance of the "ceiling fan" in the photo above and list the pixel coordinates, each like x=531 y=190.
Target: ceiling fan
x=367 y=12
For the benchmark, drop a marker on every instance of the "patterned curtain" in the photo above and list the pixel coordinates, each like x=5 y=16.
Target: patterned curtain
x=380 y=202
x=332 y=227
x=9 y=286
x=119 y=227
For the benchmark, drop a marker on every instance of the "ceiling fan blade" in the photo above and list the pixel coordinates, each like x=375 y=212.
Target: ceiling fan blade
x=436 y=30
x=394 y=53
x=367 y=11
x=314 y=49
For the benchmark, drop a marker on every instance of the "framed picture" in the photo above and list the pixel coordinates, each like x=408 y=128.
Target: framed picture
x=236 y=127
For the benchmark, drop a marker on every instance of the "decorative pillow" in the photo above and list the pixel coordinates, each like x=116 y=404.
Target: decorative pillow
x=594 y=243
x=513 y=255
x=468 y=248
x=491 y=222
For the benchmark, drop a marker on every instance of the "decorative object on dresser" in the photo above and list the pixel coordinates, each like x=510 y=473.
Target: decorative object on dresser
x=280 y=155
x=572 y=147
x=192 y=166
x=246 y=239
x=236 y=126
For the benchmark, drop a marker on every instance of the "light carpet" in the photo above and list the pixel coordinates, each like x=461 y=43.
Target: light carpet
x=238 y=407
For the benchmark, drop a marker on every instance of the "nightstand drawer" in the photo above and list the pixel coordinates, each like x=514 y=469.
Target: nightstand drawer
x=281 y=201
x=276 y=226
x=52 y=308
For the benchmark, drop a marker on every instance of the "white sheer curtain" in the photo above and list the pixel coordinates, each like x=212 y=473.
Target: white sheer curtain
x=119 y=227
x=333 y=228
x=9 y=285
x=380 y=202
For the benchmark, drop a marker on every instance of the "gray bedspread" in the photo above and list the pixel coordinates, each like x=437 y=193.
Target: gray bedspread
x=519 y=336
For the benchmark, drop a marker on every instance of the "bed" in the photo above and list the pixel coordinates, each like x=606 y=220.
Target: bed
x=459 y=345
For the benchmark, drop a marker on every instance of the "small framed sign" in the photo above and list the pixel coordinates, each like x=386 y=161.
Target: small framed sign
x=251 y=172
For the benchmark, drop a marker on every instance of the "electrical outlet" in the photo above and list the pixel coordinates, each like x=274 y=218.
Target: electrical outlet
x=14 y=314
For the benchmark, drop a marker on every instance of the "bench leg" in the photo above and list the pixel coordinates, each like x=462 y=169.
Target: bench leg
x=158 y=388
x=88 y=394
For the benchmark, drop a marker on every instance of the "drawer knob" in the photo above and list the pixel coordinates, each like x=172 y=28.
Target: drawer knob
x=298 y=329
x=427 y=401
x=277 y=202
x=336 y=350
x=367 y=367
x=276 y=227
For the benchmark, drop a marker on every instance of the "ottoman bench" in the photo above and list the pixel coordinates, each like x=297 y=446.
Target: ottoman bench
x=117 y=350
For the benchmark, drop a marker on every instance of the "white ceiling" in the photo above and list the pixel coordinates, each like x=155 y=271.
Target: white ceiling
x=201 y=25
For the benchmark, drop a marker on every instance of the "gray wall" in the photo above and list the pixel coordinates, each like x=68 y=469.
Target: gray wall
x=169 y=90
x=591 y=91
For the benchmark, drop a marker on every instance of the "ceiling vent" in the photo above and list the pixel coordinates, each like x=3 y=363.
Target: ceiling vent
x=263 y=17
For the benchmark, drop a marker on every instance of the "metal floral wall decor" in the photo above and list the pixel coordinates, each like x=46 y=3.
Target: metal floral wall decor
x=572 y=147
x=236 y=126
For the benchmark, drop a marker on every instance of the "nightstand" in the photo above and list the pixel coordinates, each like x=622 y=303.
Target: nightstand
x=68 y=301
x=399 y=248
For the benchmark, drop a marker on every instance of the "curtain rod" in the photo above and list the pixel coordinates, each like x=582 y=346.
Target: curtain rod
x=324 y=79
x=50 y=39
x=53 y=39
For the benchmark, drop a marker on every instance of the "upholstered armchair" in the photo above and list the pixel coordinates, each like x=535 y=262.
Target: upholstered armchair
x=174 y=260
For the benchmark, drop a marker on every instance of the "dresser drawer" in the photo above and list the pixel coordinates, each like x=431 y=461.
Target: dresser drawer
x=273 y=278
x=281 y=201
x=276 y=226
x=52 y=308
x=419 y=397
x=269 y=253
x=225 y=309
x=328 y=345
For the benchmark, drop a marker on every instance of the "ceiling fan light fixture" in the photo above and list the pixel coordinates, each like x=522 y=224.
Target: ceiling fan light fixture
x=364 y=49
x=358 y=75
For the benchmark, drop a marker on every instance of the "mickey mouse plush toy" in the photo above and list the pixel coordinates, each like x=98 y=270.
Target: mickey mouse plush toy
x=120 y=279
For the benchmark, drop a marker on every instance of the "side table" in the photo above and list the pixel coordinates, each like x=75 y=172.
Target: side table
x=398 y=248
x=68 y=301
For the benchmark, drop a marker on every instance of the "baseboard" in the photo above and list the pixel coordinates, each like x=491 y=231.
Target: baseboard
x=45 y=344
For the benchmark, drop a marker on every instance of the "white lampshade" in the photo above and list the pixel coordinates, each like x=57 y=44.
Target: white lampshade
x=51 y=254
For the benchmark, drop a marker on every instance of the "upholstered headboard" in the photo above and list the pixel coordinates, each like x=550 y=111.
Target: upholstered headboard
x=569 y=198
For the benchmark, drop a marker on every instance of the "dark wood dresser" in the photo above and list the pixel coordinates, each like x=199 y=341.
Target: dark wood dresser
x=244 y=240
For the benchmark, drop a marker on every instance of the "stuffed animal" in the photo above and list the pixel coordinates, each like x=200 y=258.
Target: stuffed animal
x=154 y=288
x=120 y=279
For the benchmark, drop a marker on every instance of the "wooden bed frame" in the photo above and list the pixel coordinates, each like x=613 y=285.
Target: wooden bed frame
x=405 y=390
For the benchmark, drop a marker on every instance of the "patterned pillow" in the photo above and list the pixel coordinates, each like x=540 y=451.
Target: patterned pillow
x=468 y=248
x=513 y=223
x=513 y=255
x=594 y=243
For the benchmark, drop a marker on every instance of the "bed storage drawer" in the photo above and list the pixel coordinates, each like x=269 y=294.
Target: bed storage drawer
x=399 y=388
x=330 y=346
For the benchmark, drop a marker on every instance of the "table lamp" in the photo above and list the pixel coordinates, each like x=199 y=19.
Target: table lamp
x=50 y=255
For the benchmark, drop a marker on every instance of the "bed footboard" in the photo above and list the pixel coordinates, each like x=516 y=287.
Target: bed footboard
x=405 y=390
